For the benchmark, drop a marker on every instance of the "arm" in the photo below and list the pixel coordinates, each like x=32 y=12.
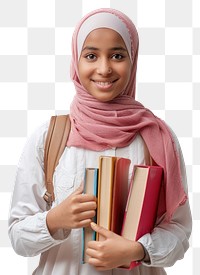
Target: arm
x=33 y=229
x=169 y=241
x=27 y=222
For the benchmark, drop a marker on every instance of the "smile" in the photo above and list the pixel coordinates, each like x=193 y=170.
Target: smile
x=104 y=84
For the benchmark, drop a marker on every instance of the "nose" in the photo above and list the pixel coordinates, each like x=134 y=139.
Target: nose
x=104 y=67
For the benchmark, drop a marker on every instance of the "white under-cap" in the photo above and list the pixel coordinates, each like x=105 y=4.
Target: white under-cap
x=103 y=20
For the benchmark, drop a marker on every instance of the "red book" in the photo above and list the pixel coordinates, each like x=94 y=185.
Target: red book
x=120 y=193
x=142 y=203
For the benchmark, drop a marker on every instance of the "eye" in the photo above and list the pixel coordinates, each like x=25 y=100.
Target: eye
x=118 y=56
x=90 y=56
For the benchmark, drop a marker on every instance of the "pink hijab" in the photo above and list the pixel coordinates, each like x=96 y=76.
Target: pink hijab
x=99 y=126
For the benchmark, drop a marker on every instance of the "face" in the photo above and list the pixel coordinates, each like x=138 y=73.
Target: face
x=104 y=66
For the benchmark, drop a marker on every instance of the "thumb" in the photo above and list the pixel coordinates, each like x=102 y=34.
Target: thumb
x=101 y=230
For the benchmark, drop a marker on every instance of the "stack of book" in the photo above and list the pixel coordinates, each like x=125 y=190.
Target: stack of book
x=126 y=209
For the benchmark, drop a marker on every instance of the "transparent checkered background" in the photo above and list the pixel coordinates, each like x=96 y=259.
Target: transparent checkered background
x=35 y=49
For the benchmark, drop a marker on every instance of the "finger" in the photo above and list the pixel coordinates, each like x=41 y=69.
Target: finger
x=87 y=197
x=93 y=245
x=83 y=223
x=88 y=206
x=91 y=252
x=96 y=262
x=86 y=215
x=94 y=258
x=101 y=230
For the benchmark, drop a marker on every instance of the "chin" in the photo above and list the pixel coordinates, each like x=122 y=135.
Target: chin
x=104 y=99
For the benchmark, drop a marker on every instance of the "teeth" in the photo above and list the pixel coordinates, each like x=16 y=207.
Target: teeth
x=104 y=83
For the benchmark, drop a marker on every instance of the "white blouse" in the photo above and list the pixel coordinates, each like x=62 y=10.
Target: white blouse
x=61 y=254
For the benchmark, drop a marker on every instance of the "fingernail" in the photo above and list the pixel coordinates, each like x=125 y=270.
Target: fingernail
x=93 y=224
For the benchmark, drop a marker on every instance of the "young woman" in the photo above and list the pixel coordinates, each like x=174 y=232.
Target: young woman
x=105 y=120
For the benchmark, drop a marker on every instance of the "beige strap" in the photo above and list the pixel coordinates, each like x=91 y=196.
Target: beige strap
x=56 y=139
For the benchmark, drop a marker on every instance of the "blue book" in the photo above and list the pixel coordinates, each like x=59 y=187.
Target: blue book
x=90 y=187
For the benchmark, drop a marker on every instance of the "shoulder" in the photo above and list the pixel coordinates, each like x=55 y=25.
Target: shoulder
x=33 y=150
x=174 y=138
x=38 y=136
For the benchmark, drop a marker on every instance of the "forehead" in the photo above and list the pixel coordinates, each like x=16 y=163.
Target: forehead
x=102 y=35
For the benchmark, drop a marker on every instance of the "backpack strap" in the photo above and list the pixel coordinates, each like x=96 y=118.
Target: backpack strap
x=55 y=144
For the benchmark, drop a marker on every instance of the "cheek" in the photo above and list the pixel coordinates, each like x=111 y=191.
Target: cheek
x=84 y=71
x=126 y=75
x=128 y=72
x=81 y=74
x=80 y=69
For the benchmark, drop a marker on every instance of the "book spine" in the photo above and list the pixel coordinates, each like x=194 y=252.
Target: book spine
x=149 y=209
x=95 y=190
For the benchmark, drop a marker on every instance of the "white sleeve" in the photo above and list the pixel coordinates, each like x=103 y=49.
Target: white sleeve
x=169 y=241
x=27 y=219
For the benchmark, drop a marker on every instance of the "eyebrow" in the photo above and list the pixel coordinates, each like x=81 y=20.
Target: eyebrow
x=97 y=49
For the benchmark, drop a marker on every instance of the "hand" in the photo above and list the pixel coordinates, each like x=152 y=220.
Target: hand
x=114 y=251
x=74 y=212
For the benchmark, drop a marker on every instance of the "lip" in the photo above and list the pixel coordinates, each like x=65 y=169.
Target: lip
x=104 y=85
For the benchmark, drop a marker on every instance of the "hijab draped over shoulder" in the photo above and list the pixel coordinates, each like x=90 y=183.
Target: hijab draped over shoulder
x=102 y=125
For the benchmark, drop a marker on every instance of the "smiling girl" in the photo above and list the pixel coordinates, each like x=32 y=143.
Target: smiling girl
x=105 y=120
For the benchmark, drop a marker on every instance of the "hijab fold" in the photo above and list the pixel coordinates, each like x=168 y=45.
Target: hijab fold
x=102 y=125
